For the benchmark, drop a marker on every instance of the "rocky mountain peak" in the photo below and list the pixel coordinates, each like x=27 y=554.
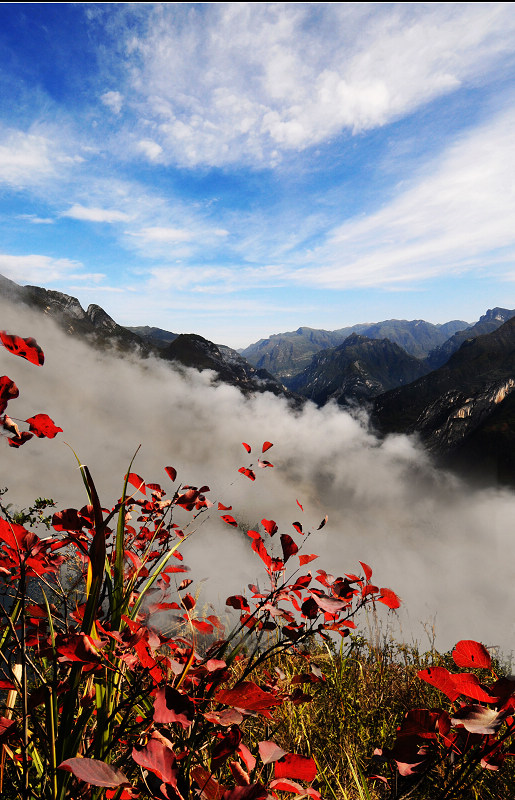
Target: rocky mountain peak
x=100 y=318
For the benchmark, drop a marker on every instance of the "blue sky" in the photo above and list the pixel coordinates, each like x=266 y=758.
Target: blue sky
x=240 y=169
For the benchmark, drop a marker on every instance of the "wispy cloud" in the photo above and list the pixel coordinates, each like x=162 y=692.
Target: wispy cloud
x=35 y=220
x=25 y=158
x=90 y=214
x=239 y=81
x=38 y=269
x=454 y=216
x=157 y=234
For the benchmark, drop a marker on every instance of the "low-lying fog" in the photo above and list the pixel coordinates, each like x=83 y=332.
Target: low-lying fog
x=446 y=549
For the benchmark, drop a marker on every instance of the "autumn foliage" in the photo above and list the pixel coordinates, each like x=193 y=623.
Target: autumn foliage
x=100 y=700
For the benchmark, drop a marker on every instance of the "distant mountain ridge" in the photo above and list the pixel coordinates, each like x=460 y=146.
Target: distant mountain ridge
x=287 y=354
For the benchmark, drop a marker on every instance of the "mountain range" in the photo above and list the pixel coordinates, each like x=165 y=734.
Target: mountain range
x=287 y=354
x=453 y=385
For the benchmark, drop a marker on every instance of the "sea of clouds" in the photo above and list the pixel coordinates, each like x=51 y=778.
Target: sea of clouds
x=446 y=548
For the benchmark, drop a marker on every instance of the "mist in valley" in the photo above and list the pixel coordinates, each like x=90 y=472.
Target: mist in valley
x=445 y=548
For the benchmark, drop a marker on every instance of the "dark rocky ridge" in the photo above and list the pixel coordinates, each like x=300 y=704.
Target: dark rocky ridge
x=156 y=336
x=488 y=323
x=356 y=371
x=464 y=411
x=101 y=331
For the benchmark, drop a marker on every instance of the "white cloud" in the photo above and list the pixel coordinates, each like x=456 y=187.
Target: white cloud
x=387 y=505
x=96 y=277
x=25 y=158
x=151 y=149
x=34 y=220
x=33 y=158
x=230 y=81
x=113 y=100
x=205 y=279
x=110 y=215
x=456 y=216
x=158 y=234
x=37 y=269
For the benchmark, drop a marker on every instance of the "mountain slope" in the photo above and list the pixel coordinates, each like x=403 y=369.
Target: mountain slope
x=357 y=370
x=456 y=407
x=155 y=336
x=488 y=323
x=96 y=327
x=287 y=354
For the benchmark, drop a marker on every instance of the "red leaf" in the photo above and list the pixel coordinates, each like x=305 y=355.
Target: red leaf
x=297 y=526
x=237 y=601
x=249 y=696
x=210 y=789
x=94 y=772
x=323 y=522
x=70 y=520
x=201 y=626
x=221 y=507
x=77 y=647
x=258 y=546
x=269 y=526
x=264 y=464
x=241 y=777
x=289 y=547
x=441 y=679
x=228 y=716
x=171 y=472
x=17 y=441
x=170 y=705
x=468 y=653
x=248 y=473
x=229 y=520
x=299 y=505
x=367 y=570
x=137 y=482
x=158 y=757
x=306 y=559
x=246 y=756
x=225 y=746
x=266 y=446
x=270 y=751
x=285 y=785
x=247 y=447
x=389 y=598
x=26 y=348
x=294 y=766
x=468 y=685
x=329 y=604
x=184 y=584
x=41 y=425
x=8 y=391
x=188 y=602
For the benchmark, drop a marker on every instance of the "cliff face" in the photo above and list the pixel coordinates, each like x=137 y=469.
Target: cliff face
x=454 y=408
x=489 y=322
